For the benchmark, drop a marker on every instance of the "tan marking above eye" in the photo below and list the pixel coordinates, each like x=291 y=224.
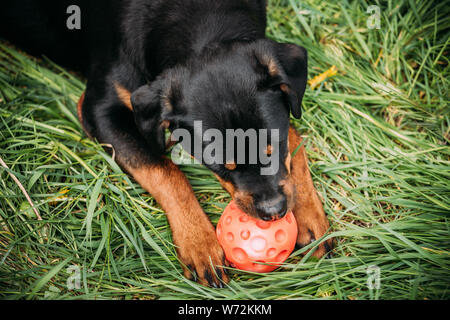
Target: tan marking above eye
x=167 y=104
x=231 y=165
x=165 y=124
x=268 y=150
x=269 y=63
x=273 y=68
x=284 y=87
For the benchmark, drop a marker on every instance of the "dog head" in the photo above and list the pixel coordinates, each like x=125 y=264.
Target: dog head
x=248 y=86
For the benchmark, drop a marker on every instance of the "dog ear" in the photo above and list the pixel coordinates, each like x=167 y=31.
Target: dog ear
x=153 y=104
x=287 y=70
x=294 y=61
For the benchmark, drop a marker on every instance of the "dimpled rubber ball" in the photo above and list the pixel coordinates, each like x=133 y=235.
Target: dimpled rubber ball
x=255 y=245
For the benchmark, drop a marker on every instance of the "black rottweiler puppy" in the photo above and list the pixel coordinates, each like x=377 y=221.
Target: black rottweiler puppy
x=154 y=65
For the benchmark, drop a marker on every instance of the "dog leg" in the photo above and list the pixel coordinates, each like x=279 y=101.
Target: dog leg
x=308 y=210
x=193 y=234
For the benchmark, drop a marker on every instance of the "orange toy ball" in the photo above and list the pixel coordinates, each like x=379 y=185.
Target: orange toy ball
x=255 y=245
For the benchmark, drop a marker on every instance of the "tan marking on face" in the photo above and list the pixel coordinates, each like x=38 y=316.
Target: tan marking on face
x=124 y=96
x=167 y=104
x=288 y=187
x=284 y=87
x=245 y=201
x=272 y=67
x=165 y=124
x=287 y=163
x=268 y=150
x=166 y=99
x=228 y=186
x=231 y=165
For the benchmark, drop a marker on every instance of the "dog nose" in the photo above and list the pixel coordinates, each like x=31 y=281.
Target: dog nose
x=272 y=209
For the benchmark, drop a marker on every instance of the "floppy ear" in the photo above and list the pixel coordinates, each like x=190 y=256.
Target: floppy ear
x=294 y=61
x=148 y=105
x=287 y=69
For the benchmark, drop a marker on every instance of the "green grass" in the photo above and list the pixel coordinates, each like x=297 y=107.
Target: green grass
x=378 y=141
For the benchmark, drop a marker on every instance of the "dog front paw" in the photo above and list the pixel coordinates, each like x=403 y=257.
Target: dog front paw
x=202 y=256
x=312 y=223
